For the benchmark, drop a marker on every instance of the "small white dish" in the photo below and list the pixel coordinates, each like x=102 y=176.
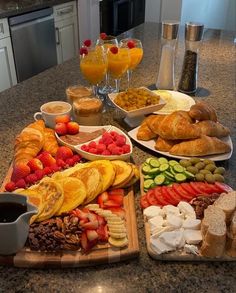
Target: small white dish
x=93 y=157
x=141 y=111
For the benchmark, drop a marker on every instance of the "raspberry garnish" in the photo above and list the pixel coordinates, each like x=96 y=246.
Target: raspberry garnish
x=87 y=43
x=114 y=50
x=131 y=44
x=83 y=51
x=103 y=36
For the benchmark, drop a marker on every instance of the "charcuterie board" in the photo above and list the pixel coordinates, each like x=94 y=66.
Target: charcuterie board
x=100 y=254
x=177 y=255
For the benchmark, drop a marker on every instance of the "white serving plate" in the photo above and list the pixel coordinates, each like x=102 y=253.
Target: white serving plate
x=93 y=157
x=180 y=102
x=151 y=143
x=138 y=112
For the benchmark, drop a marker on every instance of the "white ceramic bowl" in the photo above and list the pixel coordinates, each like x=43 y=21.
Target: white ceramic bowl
x=93 y=157
x=141 y=111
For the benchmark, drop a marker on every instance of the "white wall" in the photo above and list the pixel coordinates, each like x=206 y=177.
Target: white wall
x=218 y=14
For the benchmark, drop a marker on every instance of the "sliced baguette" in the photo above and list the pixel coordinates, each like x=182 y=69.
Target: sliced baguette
x=231 y=237
x=227 y=203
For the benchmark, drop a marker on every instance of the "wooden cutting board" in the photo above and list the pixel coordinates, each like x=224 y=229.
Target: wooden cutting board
x=178 y=255
x=101 y=254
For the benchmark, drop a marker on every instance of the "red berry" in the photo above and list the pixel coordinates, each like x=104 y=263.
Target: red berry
x=106 y=153
x=54 y=168
x=21 y=183
x=114 y=50
x=87 y=43
x=111 y=146
x=21 y=170
x=92 y=144
x=35 y=164
x=47 y=171
x=103 y=36
x=83 y=51
x=64 y=152
x=70 y=162
x=107 y=140
x=61 y=163
x=126 y=148
x=101 y=147
x=93 y=150
x=76 y=158
x=10 y=186
x=120 y=141
x=84 y=148
x=39 y=174
x=131 y=44
x=61 y=128
x=31 y=179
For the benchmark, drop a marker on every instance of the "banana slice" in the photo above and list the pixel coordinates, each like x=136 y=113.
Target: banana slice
x=116 y=226
x=93 y=206
x=121 y=242
x=117 y=235
x=117 y=230
x=115 y=221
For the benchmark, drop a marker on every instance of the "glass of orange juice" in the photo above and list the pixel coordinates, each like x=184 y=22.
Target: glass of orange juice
x=118 y=63
x=93 y=65
x=107 y=41
x=136 y=54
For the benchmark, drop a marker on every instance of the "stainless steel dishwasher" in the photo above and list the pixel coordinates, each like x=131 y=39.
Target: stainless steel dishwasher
x=33 y=41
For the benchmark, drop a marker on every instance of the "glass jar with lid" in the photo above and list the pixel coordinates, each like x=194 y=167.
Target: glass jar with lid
x=76 y=92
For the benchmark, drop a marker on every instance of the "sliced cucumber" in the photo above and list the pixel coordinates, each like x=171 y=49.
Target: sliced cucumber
x=148 y=183
x=163 y=160
x=164 y=167
x=148 y=160
x=168 y=182
x=178 y=168
x=169 y=176
x=173 y=162
x=146 y=169
x=180 y=177
x=154 y=163
x=154 y=171
x=159 y=179
x=148 y=176
x=172 y=171
x=189 y=175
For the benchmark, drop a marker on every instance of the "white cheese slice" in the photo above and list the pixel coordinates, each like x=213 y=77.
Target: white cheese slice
x=193 y=224
x=188 y=248
x=192 y=236
x=159 y=247
x=174 y=221
x=155 y=222
x=159 y=230
x=171 y=210
x=173 y=239
x=186 y=209
x=152 y=211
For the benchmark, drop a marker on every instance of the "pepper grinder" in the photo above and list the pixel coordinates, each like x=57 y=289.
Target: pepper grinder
x=193 y=37
x=165 y=79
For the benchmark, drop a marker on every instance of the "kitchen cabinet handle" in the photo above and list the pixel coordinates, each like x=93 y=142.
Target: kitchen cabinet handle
x=57 y=36
x=1 y=28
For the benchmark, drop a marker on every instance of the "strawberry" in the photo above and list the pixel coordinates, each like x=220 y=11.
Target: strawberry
x=10 y=186
x=20 y=171
x=101 y=220
x=21 y=183
x=114 y=50
x=117 y=191
x=64 y=153
x=81 y=215
x=102 y=233
x=84 y=241
x=103 y=36
x=72 y=127
x=62 y=119
x=87 y=43
x=91 y=235
x=131 y=44
x=47 y=171
x=118 y=211
x=35 y=164
x=47 y=159
x=92 y=217
x=83 y=51
x=116 y=198
x=61 y=128
x=31 y=179
x=110 y=203
x=91 y=225
x=103 y=197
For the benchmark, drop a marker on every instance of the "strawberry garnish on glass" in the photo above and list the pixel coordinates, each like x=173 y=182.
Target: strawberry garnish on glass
x=88 y=43
x=103 y=36
x=131 y=44
x=114 y=50
x=83 y=51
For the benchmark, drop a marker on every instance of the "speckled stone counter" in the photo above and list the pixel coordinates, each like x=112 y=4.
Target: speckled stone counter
x=14 y=7
x=216 y=86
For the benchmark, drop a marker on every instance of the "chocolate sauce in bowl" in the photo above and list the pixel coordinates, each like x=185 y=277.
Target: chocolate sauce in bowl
x=10 y=211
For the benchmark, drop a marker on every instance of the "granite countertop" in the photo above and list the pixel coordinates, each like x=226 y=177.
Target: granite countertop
x=13 y=7
x=216 y=86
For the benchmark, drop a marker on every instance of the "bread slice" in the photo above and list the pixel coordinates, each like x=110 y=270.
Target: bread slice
x=227 y=203
x=213 y=230
x=231 y=237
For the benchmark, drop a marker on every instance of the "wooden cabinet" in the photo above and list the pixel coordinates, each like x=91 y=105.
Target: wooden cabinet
x=66 y=30
x=7 y=65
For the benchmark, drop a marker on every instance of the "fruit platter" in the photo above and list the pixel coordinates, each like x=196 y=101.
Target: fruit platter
x=85 y=209
x=189 y=211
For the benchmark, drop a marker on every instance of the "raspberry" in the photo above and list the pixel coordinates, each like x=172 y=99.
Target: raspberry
x=84 y=148
x=106 y=153
x=120 y=141
x=83 y=51
x=21 y=183
x=87 y=43
x=39 y=174
x=47 y=171
x=31 y=179
x=61 y=163
x=76 y=158
x=111 y=146
x=107 y=140
x=101 y=147
x=10 y=186
x=70 y=162
x=114 y=134
x=131 y=44
x=93 y=151
x=92 y=144
x=114 y=50
x=100 y=140
x=126 y=148
x=54 y=168
x=117 y=151
x=103 y=36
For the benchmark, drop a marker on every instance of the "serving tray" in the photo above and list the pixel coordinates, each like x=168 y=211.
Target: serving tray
x=100 y=254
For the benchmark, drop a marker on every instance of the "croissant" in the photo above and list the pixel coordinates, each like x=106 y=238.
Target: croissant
x=50 y=143
x=211 y=128
x=29 y=142
x=155 y=122
x=178 y=125
x=203 y=146
x=144 y=132
x=164 y=145
x=202 y=111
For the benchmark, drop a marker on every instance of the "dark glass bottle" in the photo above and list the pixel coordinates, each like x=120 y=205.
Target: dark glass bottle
x=189 y=75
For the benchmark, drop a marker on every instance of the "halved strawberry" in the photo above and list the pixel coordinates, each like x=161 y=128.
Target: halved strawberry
x=102 y=233
x=103 y=197
x=83 y=221
x=111 y=203
x=118 y=211
x=116 y=198
x=117 y=191
x=92 y=217
x=91 y=225
x=81 y=215
x=84 y=241
x=91 y=235
x=101 y=220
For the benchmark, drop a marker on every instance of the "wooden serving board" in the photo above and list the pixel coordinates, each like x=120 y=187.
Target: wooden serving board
x=178 y=255
x=101 y=254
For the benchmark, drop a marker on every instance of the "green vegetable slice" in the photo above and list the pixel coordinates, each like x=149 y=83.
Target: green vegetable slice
x=154 y=163
x=154 y=171
x=148 y=160
x=169 y=176
x=159 y=179
x=163 y=160
x=189 y=175
x=178 y=168
x=149 y=183
x=146 y=169
x=173 y=162
x=180 y=177
x=164 y=167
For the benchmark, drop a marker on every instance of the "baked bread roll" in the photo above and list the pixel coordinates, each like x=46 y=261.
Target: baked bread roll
x=144 y=132
x=202 y=146
x=213 y=230
x=211 y=128
x=164 y=145
x=155 y=123
x=227 y=203
x=50 y=143
x=177 y=125
x=29 y=142
x=231 y=237
x=202 y=111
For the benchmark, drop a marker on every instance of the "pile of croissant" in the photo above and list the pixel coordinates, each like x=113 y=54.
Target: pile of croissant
x=186 y=133
x=32 y=139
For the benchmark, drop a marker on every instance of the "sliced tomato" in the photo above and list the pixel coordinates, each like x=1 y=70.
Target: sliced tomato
x=151 y=197
x=223 y=187
x=181 y=192
x=117 y=198
x=205 y=187
x=143 y=202
x=170 y=196
x=196 y=187
x=159 y=197
x=117 y=191
x=187 y=187
x=214 y=188
x=110 y=203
